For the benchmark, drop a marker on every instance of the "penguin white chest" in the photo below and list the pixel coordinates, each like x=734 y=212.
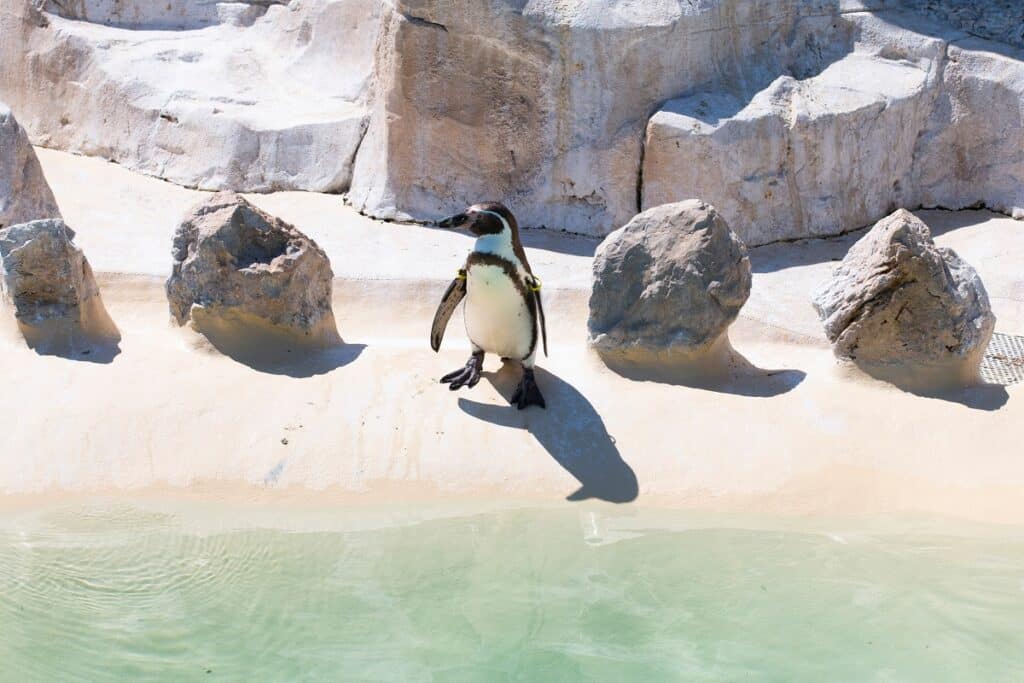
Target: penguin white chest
x=497 y=317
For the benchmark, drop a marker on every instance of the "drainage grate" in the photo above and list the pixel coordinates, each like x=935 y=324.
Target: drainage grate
x=1004 y=360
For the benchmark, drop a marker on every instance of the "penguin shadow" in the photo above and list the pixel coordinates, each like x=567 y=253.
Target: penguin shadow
x=570 y=430
x=724 y=371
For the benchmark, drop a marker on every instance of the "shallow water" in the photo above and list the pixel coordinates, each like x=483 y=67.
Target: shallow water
x=114 y=593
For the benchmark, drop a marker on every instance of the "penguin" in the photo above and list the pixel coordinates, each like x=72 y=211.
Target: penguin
x=503 y=312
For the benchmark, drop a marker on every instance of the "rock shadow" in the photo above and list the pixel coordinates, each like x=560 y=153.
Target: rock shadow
x=97 y=342
x=274 y=351
x=570 y=430
x=101 y=353
x=976 y=395
x=721 y=369
x=770 y=258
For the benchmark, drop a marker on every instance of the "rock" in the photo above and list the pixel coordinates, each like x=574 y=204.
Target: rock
x=898 y=300
x=1001 y=20
x=670 y=282
x=24 y=194
x=200 y=108
x=550 y=116
x=900 y=116
x=794 y=117
x=234 y=265
x=47 y=282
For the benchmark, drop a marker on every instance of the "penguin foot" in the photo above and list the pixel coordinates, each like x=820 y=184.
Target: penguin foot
x=466 y=376
x=527 y=393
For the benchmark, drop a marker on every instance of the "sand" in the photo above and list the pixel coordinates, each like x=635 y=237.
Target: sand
x=793 y=432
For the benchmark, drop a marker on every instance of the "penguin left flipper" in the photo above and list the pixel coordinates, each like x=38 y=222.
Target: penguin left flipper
x=540 y=316
x=455 y=293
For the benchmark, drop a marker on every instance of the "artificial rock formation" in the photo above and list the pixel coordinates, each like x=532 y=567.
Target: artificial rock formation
x=794 y=117
x=669 y=283
x=24 y=194
x=177 y=90
x=47 y=283
x=898 y=300
x=237 y=267
x=903 y=112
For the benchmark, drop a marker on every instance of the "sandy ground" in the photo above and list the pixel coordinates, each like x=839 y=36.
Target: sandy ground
x=166 y=414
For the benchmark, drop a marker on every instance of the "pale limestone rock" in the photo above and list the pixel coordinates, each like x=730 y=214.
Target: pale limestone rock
x=897 y=299
x=235 y=265
x=794 y=117
x=254 y=96
x=906 y=118
x=24 y=194
x=47 y=283
x=543 y=104
x=672 y=280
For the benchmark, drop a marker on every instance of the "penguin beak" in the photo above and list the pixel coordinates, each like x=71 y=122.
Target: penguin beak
x=456 y=221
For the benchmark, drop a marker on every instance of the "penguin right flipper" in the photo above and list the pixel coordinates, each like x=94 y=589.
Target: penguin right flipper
x=455 y=293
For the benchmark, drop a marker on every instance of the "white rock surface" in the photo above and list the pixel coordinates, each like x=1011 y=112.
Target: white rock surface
x=897 y=299
x=542 y=105
x=24 y=193
x=231 y=101
x=820 y=116
x=904 y=119
x=672 y=280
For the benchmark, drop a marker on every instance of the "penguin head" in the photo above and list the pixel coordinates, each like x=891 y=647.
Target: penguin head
x=490 y=218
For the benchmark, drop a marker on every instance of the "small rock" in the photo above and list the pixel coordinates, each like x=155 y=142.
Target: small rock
x=898 y=299
x=673 y=279
x=48 y=283
x=235 y=263
x=24 y=194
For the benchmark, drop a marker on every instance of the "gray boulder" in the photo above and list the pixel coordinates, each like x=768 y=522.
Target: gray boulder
x=673 y=279
x=47 y=282
x=897 y=299
x=235 y=263
x=24 y=194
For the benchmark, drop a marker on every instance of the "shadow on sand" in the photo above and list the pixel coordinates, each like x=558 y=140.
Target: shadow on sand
x=103 y=354
x=267 y=349
x=68 y=340
x=570 y=430
x=299 y=361
x=723 y=370
x=978 y=396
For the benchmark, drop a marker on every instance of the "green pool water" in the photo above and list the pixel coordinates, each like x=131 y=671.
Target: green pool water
x=115 y=593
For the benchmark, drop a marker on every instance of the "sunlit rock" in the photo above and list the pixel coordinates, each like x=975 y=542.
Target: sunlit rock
x=669 y=283
x=898 y=301
x=49 y=287
x=24 y=194
x=238 y=270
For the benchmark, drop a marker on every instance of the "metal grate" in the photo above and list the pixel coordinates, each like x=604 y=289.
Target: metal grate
x=1004 y=360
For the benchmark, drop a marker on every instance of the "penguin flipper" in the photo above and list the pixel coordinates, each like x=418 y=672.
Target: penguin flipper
x=540 y=317
x=455 y=293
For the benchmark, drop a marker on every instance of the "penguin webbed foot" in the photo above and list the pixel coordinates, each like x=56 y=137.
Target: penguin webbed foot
x=466 y=376
x=527 y=393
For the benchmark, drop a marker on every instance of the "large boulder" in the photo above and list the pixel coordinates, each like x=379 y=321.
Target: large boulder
x=24 y=194
x=899 y=300
x=671 y=281
x=47 y=282
x=236 y=265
